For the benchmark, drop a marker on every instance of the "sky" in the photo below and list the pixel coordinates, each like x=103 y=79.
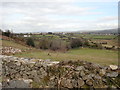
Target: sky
x=58 y=15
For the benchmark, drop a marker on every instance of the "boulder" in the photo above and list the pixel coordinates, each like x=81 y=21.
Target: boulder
x=113 y=67
x=18 y=84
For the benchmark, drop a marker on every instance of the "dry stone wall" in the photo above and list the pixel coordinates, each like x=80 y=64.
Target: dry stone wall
x=37 y=73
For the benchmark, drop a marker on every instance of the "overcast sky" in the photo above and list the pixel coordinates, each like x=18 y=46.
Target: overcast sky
x=58 y=15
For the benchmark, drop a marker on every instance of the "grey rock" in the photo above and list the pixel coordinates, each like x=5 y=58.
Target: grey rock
x=97 y=77
x=63 y=82
x=28 y=81
x=113 y=67
x=33 y=73
x=36 y=79
x=96 y=66
x=102 y=72
x=74 y=83
x=86 y=77
x=66 y=83
x=51 y=84
x=18 y=84
x=89 y=82
x=112 y=74
x=0 y=85
x=79 y=68
x=80 y=83
x=18 y=63
x=42 y=73
x=82 y=73
x=92 y=75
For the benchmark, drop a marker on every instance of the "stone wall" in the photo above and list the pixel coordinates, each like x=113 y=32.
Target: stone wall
x=37 y=73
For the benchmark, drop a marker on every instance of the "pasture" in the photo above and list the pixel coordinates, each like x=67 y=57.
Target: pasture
x=104 y=57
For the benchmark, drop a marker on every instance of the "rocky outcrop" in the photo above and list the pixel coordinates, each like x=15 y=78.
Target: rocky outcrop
x=37 y=73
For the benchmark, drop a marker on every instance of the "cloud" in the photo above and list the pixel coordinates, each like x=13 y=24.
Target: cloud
x=46 y=8
x=108 y=19
x=60 y=1
x=57 y=15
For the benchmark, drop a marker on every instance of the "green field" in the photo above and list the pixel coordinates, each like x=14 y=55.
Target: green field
x=104 y=57
x=92 y=36
x=49 y=35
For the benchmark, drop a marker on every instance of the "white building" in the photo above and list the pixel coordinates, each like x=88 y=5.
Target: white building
x=27 y=35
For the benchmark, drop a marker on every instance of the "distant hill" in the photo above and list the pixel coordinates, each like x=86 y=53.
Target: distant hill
x=109 y=31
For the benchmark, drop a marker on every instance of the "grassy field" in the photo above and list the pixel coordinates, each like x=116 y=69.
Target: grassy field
x=13 y=44
x=104 y=57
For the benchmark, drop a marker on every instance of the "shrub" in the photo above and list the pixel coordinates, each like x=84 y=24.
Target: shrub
x=99 y=46
x=76 y=42
x=96 y=45
x=44 y=43
x=7 y=33
x=53 y=44
x=30 y=42
x=86 y=43
x=58 y=44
